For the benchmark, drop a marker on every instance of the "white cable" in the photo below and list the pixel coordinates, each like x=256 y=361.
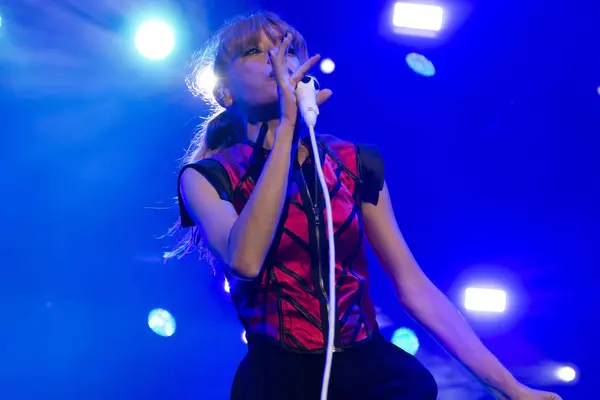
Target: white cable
x=307 y=95
x=330 y=238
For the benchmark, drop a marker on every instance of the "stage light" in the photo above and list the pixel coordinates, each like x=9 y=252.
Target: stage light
x=226 y=286
x=406 y=339
x=161 y=322
x=327 y=66
x=566 y=374
x=206 y=80
x=487 y=300
x=244 y=339
x=155 y=39
x=420 y=64
x=424 y=17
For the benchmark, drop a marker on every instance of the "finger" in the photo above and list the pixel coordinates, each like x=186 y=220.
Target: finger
x=274 y=65
x=323 y=96
x=283 y=49
x=304 y=68
x=279 y=62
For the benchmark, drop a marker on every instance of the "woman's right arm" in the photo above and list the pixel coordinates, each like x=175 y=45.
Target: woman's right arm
x=242 y=242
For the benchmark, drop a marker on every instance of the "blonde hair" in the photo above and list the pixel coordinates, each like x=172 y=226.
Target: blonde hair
x=224 y=128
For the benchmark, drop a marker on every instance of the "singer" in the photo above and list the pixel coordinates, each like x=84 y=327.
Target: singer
x=250 y=197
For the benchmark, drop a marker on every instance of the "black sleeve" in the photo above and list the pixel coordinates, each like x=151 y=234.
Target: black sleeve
x=216 y=174
x=370 y=165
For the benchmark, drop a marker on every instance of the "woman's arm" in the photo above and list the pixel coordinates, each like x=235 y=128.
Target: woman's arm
x=427 y=304
x=242 y=242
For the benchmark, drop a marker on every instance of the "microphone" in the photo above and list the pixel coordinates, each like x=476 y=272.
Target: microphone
x=306 y=94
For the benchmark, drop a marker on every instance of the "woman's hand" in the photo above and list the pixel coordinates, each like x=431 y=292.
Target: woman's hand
x=286 y=83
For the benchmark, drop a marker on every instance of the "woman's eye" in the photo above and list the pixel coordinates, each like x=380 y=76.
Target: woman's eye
x=252 y=51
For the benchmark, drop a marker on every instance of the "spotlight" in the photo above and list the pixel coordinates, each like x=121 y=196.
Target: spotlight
x=244 y=339
x=487 y=300
x=327 y=66
x=566 y=374
x=206 y=80
x=420 y=64
x=155 y=39
x=424 y=17
x=226 y=286
x=161 y=322
x=406 y=339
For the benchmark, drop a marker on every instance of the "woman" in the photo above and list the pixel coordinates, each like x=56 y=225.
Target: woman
x=249 y=192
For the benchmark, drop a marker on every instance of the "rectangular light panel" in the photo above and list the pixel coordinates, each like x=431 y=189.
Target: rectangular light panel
x=418 y=16
x=487 y=300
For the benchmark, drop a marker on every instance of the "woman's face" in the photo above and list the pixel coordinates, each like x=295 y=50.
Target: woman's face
x=251 y=77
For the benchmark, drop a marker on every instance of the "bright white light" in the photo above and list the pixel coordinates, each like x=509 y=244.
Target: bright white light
x=418 y=16
x=327 y=66
x=566 y=374
x=161 y=322
x=598 y=89
x=244 y=339
x=155 y=39
x=206 y=80
x=226 y=286
x=488 y=300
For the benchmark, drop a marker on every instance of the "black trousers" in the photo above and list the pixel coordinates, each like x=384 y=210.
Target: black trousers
x=374 y=370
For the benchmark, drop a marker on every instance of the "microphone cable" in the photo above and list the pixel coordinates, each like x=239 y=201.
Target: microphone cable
x=306 y=93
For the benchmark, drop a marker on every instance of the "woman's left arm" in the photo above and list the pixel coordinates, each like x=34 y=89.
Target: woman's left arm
x=429 y=306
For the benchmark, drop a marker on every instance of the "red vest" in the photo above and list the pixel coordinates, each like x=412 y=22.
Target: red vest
x=288 y=300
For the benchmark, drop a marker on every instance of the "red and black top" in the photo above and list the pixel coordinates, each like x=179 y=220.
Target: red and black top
x=287 y=302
